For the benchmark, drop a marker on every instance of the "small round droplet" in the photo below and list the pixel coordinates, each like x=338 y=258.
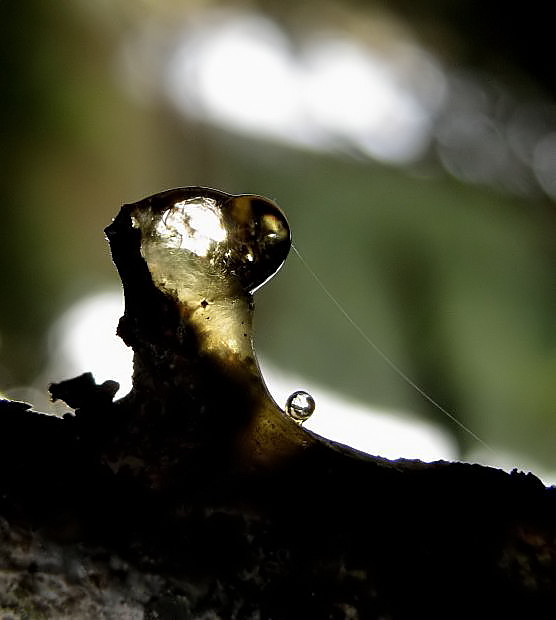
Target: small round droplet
x=300 y=406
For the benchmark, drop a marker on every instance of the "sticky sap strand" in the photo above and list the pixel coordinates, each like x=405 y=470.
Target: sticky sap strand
x=385 y=357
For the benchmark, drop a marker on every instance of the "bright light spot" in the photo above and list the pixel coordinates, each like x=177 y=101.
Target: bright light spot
x=381 y=433
x=193 y=225
x=325 y=90
x=84 y=340
x=205 y=218
x=357 y=96
x=242 y=73
x=237 y=72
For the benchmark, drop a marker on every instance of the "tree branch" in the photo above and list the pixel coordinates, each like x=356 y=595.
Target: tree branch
x=195 y=496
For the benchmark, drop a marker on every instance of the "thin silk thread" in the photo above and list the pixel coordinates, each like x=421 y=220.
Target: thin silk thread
x=385 y=357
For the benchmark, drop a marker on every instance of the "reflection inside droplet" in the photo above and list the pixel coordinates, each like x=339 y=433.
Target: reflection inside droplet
x=192 y=225
x=300 y=406
x=210 y=251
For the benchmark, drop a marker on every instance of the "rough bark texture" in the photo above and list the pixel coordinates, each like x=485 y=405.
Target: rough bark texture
x=172 y=503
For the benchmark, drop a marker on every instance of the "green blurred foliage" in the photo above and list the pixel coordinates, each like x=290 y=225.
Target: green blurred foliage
x=73 y=149
x=455 y=283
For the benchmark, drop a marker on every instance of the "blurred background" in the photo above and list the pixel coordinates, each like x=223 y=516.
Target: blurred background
x=412 y=146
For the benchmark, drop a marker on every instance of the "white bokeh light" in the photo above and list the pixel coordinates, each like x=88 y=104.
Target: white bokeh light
x=242 y=72
x=84 y=340
x=237 y=72
x=372 y=93
x=375 y=431
x=357 y=96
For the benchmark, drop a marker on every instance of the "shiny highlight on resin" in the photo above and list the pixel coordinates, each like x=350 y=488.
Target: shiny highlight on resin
x=210 y=251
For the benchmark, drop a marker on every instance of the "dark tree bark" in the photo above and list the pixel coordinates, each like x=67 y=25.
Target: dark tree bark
x=196 y=497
